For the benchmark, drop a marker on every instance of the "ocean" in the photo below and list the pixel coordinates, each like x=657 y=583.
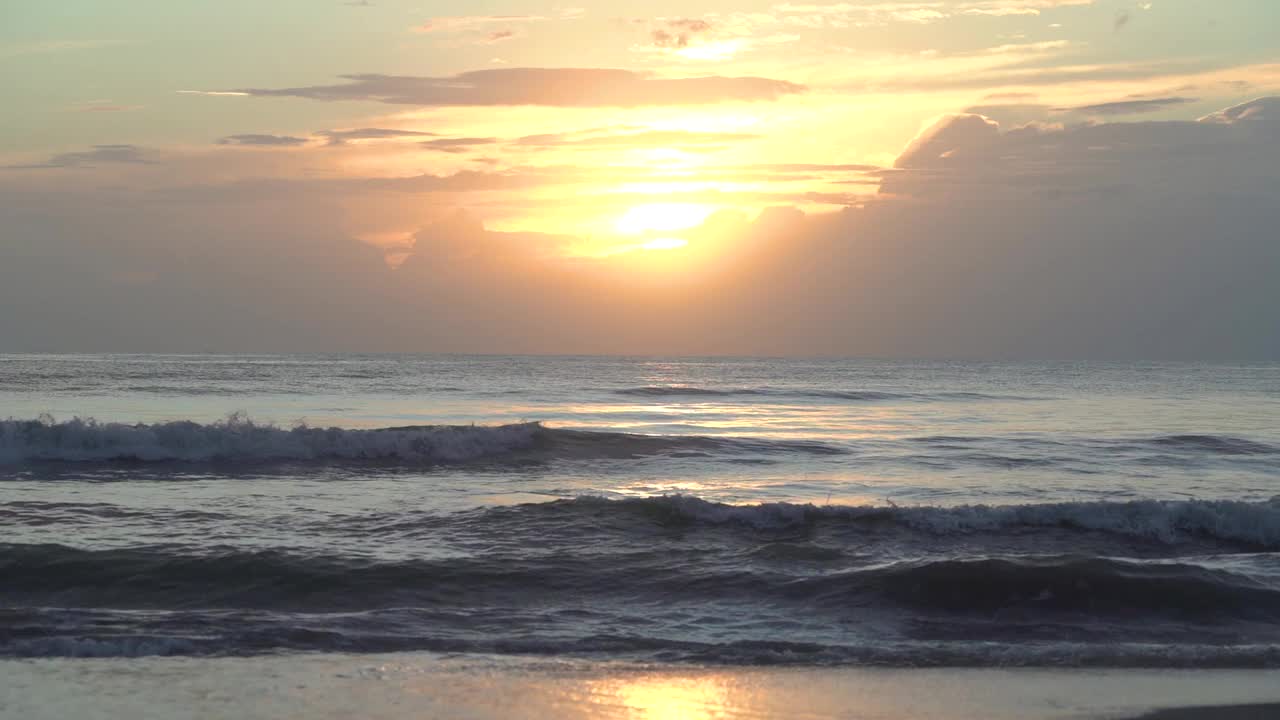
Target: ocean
x=666 y=511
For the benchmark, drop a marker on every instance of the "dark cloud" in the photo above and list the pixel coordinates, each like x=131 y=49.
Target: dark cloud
x=338 y=137
x=560 y=87
x=262 y=140
x=1121 y=20
x=1129 y=107
x=962 y=151
x=127 y=154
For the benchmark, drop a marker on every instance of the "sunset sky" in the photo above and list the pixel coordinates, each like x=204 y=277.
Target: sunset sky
x=992 y=178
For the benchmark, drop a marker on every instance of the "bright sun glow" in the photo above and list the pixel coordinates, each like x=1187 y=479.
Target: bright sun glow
x=662 y=217
x=666 y=243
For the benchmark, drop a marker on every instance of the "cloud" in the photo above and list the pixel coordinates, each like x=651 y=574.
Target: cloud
x=498 y=36
x=559 y=87
x=677 y=33
x=972 y=151
x=100 y=154
x=1264 y=110
x=1121 y=20
x=1112 y=240
x=262 y=140
x=944 y=136
x=714 y=37
x=1129 y=107
x=1012 y=114
x=339 y=137
x=457 y=145
x=213 y=93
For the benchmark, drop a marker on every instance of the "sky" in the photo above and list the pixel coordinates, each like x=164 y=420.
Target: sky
x=1002 y=179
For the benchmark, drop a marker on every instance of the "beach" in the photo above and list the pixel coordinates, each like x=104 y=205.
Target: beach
x=382 y=687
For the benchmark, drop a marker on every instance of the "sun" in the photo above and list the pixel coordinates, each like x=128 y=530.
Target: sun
x=662 y=218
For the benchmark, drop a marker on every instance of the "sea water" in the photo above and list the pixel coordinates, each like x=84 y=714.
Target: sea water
x=657 y=510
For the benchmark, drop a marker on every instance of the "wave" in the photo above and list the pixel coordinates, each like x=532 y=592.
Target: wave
x=164 y=577
x=659 y=391
x=760 y=653
x=241 y=440
x=979 y=611
x=1193 y=445
x=1214 y=444
x=1253 y=525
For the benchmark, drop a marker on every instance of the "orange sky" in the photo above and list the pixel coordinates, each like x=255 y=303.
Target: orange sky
x=639 y=146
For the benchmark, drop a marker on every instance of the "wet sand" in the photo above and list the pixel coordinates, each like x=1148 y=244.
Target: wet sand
x=317 y=687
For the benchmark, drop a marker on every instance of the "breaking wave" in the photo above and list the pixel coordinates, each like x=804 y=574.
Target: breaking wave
x=241 y=440
x=1250 y=524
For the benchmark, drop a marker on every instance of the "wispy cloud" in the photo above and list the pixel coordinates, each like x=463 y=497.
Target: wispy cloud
x=215 y=93
x=678 y=33
x=472 y=22
x=1129 y=107
x=99 y=154
x=457 y=145
x=558 y=87
x=713 y=37
x=498 y=36
x=262 y=140
x=339 y=137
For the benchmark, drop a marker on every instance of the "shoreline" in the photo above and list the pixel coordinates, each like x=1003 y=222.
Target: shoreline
x=377 y=687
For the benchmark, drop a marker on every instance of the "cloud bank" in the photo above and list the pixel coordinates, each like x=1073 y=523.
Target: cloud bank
x=1120 y=240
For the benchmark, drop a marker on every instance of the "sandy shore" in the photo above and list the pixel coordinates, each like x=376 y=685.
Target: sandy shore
x=318 y=687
